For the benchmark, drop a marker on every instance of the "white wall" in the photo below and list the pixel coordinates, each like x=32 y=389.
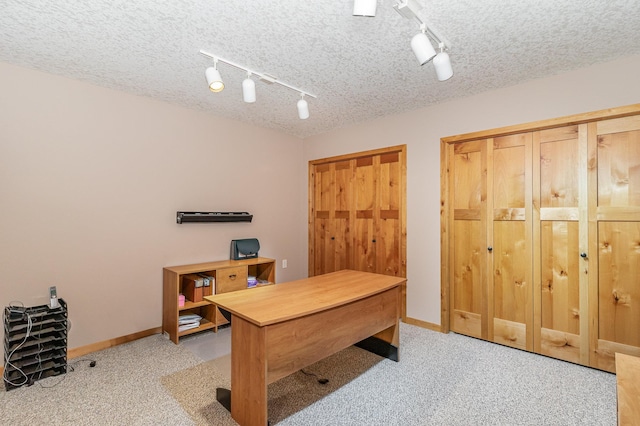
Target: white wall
x=597 y=87
x=90 y=182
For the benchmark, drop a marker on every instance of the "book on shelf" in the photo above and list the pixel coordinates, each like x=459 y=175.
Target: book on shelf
x=188 y=326
x=188 y=321
x=189 y=318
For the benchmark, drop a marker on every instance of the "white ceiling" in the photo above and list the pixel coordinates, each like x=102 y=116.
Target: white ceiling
x=360 y=68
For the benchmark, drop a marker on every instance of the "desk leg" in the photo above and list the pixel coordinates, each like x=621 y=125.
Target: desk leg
x=223 y=396
x=248 y=373
x=385 y=344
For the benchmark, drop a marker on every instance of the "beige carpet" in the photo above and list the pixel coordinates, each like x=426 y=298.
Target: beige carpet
x=195 y=388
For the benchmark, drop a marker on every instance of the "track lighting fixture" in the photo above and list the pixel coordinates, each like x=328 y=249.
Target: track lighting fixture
x=421 y=42
x=422 y=48
x=303 y=108
x=213 y=78
x=249 y=89
x=365 y=7
x=442 y=64
x=407 y=8
x=249 y=86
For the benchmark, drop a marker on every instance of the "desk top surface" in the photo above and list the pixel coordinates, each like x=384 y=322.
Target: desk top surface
x=281 y=302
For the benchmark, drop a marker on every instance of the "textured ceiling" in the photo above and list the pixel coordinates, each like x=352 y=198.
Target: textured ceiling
x=360 y=68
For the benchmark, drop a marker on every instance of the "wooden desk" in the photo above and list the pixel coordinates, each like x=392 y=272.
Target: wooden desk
x=628 y=387
x=280 y=329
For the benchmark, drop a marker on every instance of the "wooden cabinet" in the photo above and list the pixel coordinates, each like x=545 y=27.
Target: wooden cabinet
x=230 y=275
x=357 y=213
x=542 y=236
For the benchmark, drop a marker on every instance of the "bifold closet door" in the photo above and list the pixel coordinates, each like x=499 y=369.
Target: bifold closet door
x=560 y=244
x=614 y=218
x=468 y=248
x=510 y=292
x=333 y=195
x=378 y=203
x=357 y=208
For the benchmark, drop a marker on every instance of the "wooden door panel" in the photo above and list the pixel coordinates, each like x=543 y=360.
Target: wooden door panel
x=619 y=169
x=468 y=272
x=390 y=182
x=342 y=245
x=468 y=193
x=560 y=274
x=324 y=246
x=365 y=204
x=511 y=264
x=559 y=166
x=558 y=313
x=364 y=249
x=510 y=333
x=365 y=184
x=388 y=236
x=509 y=178
x=511 y=290
x=387 y=245
x=342 y=216
x=619 y=282
x=468 y=277
x=332 y=224
x=512 y=293
x=614 y=211
x=323 y=188
x=560 y=345
x=343 y=194
x=560 y=290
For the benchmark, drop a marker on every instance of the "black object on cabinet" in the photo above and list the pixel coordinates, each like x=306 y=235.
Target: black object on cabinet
x=35 y=343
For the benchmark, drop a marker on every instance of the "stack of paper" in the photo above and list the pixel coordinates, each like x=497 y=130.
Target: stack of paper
x=186 y=322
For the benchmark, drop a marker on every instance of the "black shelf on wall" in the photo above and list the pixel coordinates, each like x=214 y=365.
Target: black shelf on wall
x=191 y=217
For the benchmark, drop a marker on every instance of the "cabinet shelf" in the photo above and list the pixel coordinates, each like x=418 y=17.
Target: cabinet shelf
x=188 y=304
x=205 y=324
x=229 y=275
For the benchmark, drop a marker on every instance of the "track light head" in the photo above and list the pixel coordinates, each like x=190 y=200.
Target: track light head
x=303 y=108
x=249 y=89
x=442 y=64
x=213 y=78
x=422 y=48
x=365 y=7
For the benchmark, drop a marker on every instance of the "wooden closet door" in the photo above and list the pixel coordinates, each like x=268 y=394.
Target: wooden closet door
x=366 y=209
x=560 y=237
x=333 y=195
x=378 y=210
x=614 y=217
x=510 y=294
x=468 y=251
x=388 y=234
x=357 y=212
